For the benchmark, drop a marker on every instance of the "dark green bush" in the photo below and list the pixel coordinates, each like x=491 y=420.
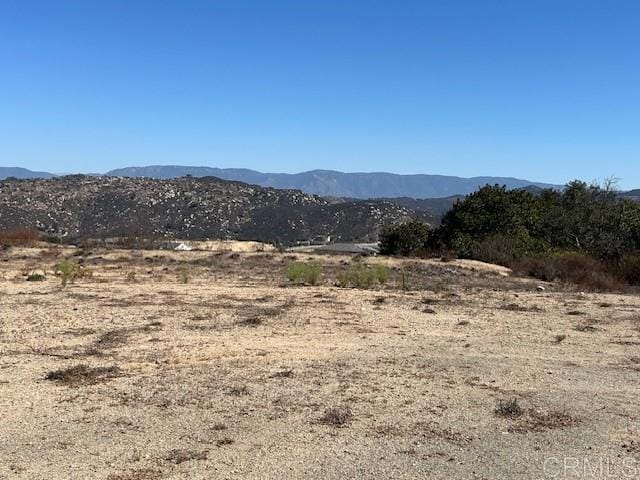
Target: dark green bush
x=404 y=238
x=504 y=249
x=488 y=212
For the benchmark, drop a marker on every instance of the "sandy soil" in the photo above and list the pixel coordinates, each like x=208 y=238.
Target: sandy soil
x=192 y=365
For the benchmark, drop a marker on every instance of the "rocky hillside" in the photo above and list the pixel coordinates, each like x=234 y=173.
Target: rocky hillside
x=195 y=208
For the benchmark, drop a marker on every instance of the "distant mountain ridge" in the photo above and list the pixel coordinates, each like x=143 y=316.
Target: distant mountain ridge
x=402 y=189
x=17 y=172
x=632 y=195
x=330 y=183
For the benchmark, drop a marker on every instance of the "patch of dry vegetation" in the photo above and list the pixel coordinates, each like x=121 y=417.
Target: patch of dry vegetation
x=538 y=421
x=339 y=416
x=143 y=474
x=15 y=237
x=179 y=456
x=80 y=375
x=532 y=419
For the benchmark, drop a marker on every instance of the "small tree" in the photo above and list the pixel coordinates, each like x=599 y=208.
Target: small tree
x=67 y=270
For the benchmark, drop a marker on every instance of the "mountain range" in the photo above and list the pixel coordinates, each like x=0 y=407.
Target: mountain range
x=330 y=183
x=326 y=183
x=17 y=172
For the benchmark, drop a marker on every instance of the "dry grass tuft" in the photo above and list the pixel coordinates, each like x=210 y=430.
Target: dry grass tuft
x=284 y=373
x=179 y=456
x=539 y=421
x=82 y=375
x=250 y=321
x=533 y=419
x=238 y=390
x=225 y=441
x=251 y=315
x=585 y=327
x=431 y=301
x=509 y=408
x=432 y=430
x=113 y=338
x=379 y=300
x=514 y=307
x=386 y=430
x=144 y=474
x=336 y=417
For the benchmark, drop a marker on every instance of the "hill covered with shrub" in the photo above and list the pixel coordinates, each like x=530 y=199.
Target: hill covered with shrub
x=186 y=208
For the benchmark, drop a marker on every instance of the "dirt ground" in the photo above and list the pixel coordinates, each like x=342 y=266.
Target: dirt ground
x=193 y=365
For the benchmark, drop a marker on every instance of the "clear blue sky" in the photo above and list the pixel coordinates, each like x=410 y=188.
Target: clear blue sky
x=542 y=89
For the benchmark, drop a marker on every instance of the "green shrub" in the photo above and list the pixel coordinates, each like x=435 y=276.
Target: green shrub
x=405 y=283
x=309 y=273
x=66 y=270
x=504 y=249
x=363 y=276
x=357 y=276
x=405 y=238
x=381 y=272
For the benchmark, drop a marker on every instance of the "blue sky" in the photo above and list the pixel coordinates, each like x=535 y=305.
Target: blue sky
x=542 y=89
